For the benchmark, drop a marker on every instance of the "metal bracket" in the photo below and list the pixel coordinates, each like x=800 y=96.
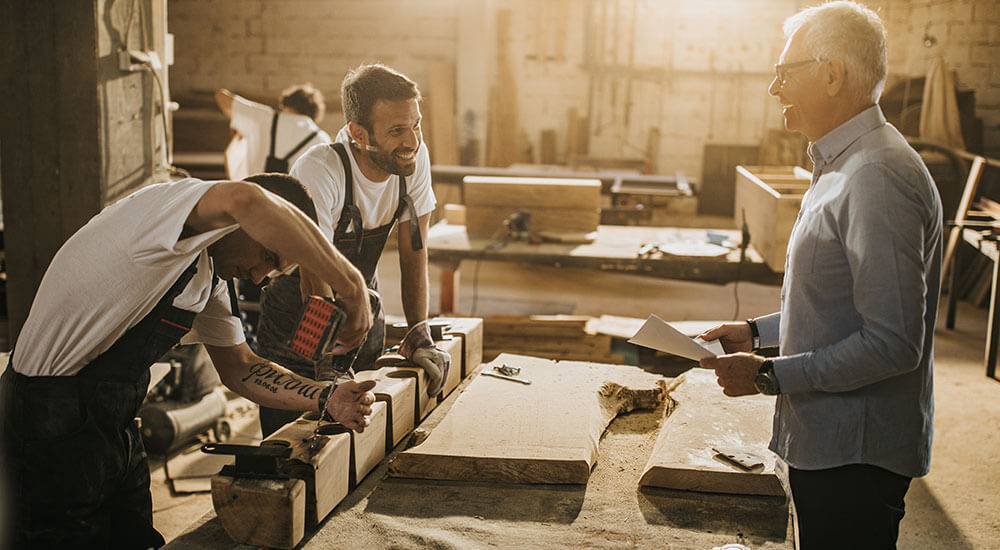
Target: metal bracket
x=256 y=462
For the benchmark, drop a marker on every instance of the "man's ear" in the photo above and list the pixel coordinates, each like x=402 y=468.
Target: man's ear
x=834 y=77
x=358 y=133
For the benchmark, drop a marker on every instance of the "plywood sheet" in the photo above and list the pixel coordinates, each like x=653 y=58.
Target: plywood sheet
x=704 y=421
x=503 y=431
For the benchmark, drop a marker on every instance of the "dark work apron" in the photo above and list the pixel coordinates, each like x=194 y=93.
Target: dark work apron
x=281 y=300
x=79 y=476
x=280 y=164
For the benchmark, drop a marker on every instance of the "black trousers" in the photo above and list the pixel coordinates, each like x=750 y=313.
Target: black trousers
x=76 y=472
x=858 y=506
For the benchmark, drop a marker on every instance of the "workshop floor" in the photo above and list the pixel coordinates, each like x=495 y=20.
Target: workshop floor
x=953 y=507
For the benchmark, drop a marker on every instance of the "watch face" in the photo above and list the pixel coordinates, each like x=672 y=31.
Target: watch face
x=765 y=384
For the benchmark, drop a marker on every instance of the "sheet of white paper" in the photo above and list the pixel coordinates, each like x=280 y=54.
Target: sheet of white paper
x=658 y=334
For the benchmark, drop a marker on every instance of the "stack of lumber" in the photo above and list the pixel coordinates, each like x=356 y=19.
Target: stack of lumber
x=275 y=509
x=564 y=337
x=556 y=205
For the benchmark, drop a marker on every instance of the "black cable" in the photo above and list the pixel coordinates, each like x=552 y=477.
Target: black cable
x=493 y=244
x=744 y=243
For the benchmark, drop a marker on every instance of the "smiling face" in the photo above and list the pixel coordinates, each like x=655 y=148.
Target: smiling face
x=237 y=256
x=803 y=97
x=395 y=135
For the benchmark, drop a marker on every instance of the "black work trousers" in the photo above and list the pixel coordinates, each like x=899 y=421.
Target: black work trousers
x=76 y=472
x=857 y=506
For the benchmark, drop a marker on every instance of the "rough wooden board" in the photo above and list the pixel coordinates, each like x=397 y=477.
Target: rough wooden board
x=471 y=331
x=453 y=346
x=399 y=394
x=683 y=457
x=368 y=447
x=325 y=473
x=537 y=192
x=395 y=366
x=545 y=432
x=261 y=512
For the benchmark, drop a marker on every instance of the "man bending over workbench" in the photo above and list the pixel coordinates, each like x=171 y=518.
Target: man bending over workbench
x=145 y=272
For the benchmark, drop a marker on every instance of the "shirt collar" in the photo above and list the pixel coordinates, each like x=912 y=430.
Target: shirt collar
x=827 y=148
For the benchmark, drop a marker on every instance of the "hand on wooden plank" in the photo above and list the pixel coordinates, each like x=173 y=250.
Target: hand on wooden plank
x=734 y=337
x=351 y=404
x=418 y=347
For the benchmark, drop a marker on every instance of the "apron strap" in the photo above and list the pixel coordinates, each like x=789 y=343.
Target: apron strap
x=350 y=214
x=405 y=201
x=274 y=131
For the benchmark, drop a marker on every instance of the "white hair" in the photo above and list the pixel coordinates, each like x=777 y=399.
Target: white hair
x=850 y=32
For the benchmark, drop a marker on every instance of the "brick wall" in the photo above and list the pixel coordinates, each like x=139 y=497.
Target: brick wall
x=966 y=33
x=699 y=70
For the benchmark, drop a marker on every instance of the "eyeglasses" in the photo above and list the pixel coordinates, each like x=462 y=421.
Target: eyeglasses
x=781 y=70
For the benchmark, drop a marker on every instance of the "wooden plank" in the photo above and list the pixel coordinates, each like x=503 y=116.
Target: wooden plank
x=452 y=345
x=368 y=447
x=399 y=394
x=531 y=192
x=261 y=512
x=326 y=473
x=488 y=220
x=503 y=431
x=470 y=329
x=395 y=366
x=684 y=456
x=442 y=107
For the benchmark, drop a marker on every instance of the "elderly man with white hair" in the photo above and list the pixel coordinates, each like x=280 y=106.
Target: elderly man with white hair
x=854 y=370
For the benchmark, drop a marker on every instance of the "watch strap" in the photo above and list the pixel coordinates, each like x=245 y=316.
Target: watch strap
x=754 y=334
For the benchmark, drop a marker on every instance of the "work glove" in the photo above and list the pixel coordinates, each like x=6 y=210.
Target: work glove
x=419 y=348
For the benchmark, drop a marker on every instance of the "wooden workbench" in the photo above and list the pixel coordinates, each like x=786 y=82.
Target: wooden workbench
x=609 y=512
x=689 y=257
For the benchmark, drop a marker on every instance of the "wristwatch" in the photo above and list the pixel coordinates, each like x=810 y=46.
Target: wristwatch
x=755 y=334
x=765 y=381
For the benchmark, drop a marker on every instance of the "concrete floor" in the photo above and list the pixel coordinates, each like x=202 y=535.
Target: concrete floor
x=953 y=507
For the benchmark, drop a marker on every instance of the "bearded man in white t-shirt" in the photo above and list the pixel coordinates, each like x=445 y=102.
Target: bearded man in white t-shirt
x=148 y=272
x=272 y=140
x=375 y=174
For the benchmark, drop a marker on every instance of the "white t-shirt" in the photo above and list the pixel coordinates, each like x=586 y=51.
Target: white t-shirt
x=112 y=272
x=321 y=171
x=253 y=121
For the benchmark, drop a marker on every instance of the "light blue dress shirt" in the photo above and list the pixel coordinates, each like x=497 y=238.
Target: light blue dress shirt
x=858 y=306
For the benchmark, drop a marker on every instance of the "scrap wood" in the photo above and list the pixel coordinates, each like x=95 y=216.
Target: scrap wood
x=703 y=422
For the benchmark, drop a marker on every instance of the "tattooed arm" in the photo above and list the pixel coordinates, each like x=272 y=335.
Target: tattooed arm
x=272 y=385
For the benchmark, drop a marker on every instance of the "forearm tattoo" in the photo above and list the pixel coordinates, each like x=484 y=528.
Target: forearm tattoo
x=267 y=376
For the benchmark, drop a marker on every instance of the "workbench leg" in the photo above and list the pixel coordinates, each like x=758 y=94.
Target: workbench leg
x=949 y=322
x=449 y=290
x=992 y=325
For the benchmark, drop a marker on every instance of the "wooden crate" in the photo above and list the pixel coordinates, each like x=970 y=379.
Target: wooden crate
x=769 y=197
x=557 y=205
